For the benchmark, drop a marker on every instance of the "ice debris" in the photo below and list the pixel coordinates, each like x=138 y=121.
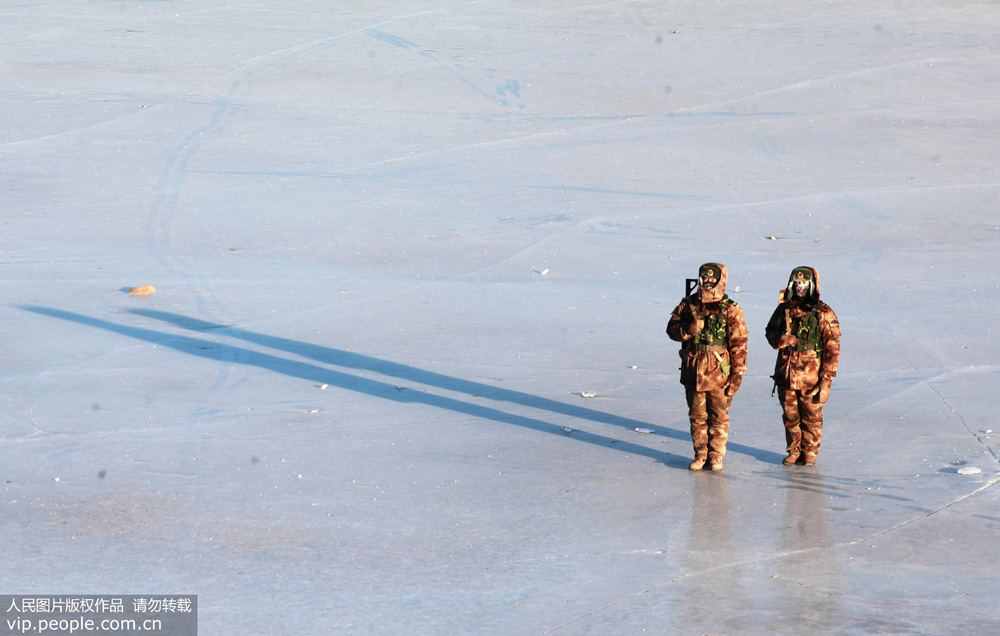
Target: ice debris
x=588 y=394
x=969 y=470
x=644 y=431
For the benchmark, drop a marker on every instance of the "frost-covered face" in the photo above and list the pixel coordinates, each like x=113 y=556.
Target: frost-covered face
x=711 y=282
x=801 y=288
x=708 y=277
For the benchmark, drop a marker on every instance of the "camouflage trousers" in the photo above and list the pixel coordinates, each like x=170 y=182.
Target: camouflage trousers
x=803 y=420
x=708 y=412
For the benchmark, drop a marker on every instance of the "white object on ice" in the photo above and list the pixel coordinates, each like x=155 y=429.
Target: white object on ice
x=567 y=429
x=969 y=470
x=644 y=431
x=588 y=394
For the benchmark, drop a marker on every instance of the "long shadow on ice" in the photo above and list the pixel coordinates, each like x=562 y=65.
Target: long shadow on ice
x=351 y=360
x=306 y=371
x=357 y=361
x=293 y=368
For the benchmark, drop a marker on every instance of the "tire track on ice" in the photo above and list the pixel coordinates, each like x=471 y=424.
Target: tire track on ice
x=171 y=184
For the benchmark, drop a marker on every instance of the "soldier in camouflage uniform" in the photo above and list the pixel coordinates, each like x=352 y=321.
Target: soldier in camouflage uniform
x=713 y=337
x=806 y=333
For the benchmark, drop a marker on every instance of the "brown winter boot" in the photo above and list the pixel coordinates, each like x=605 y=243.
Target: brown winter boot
x=810 y=459
x=715 y=463
x=697 y=464
x=793 y=456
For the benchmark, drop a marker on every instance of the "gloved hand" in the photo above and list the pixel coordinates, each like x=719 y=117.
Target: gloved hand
x=695 y=326
x=735 y=380
x=821 y=392
x=787 y=340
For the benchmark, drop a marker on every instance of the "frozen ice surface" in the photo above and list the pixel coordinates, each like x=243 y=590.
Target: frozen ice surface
x=359 y=196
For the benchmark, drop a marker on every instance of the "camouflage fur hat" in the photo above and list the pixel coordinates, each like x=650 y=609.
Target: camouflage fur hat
x=804 y=274
x=710 y=270
x=717 y=271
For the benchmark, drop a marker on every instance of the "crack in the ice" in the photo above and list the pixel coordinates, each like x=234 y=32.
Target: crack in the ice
x=692 y=109
x=559 y=557
x=772 y=557
x=944 y=401
x=838 y=76
x=951 y=503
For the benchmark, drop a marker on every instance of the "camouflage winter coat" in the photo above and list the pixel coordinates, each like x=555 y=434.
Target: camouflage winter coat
x=817 y=331
x=710 y=356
